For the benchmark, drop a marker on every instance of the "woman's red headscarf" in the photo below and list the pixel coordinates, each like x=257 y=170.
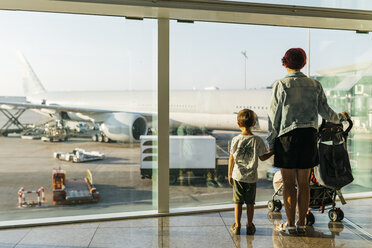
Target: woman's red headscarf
x=294 y=58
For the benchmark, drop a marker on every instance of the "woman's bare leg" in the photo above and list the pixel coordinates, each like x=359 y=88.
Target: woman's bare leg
x=289 y=194
x=303 y=196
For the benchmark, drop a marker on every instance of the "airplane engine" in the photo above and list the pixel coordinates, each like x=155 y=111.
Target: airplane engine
x=124 y=127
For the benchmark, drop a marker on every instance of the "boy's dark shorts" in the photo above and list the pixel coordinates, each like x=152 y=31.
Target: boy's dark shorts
x=244 y=193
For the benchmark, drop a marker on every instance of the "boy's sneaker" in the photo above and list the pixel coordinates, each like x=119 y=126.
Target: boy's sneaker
x=251 y=229
x=235 y=229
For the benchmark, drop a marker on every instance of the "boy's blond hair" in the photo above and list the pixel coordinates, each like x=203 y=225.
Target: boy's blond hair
x=246 y=118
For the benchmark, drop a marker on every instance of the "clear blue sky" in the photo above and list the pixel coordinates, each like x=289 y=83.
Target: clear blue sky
x=81 y=52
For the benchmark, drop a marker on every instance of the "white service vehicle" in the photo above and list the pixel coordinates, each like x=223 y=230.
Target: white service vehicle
x=79 y=155
x=78 y=127
x=189 y=156
x=32 y=133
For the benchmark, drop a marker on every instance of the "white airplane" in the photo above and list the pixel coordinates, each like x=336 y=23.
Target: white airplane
x=126 y=115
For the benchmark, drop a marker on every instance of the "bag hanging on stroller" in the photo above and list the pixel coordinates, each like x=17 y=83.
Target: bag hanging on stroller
x=334 y=165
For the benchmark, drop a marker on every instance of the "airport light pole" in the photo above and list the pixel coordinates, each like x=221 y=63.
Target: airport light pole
x=245 y=68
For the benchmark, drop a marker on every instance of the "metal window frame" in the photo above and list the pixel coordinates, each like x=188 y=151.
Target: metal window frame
x=207 y=10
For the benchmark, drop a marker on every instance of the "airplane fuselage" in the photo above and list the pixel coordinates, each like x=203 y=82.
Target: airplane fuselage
x=212 y=109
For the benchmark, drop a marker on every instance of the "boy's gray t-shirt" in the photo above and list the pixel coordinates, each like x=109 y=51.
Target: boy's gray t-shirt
x=246 y=149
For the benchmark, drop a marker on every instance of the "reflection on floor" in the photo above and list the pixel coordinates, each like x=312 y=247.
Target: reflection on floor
x=203 y=230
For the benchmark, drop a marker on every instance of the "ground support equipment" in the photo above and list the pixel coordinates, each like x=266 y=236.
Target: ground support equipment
x=22 y=197
x=74 y=191
x=12 y=120
x=79 y=155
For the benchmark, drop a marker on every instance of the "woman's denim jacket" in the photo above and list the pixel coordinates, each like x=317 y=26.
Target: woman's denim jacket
x=296 y=102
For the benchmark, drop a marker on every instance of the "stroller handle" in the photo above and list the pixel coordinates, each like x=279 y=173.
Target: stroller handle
x=346 y=132
x=350 y=126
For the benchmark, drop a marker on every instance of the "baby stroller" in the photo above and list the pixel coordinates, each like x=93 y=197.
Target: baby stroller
x=327 y=178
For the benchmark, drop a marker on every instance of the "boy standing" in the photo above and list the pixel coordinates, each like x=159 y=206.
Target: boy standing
x=245 y=150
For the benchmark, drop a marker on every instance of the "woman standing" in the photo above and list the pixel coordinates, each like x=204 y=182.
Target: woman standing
x=293 y=121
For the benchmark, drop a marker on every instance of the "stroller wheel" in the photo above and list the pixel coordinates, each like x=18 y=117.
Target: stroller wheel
x=340 y=214
x=333 y=215
x=278 y=205
x=271 y=205
x=309 y=219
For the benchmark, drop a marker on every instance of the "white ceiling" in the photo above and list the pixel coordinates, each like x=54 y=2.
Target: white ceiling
x=206 y=10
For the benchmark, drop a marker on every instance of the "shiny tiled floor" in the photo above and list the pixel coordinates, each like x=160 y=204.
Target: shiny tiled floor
x=203 y=230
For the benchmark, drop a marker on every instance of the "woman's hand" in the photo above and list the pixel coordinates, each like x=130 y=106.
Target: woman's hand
x=346 y=115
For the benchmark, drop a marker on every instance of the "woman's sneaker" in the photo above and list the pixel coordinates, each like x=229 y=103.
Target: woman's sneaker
x=285 y=230
x=235 y=229
x=251 y=229
x=301 y=230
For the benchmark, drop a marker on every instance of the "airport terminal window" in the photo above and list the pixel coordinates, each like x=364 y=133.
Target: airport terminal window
x=104 y=66
x=209 y=55
x=215 y=70
x=347 y=80
x=207 y=63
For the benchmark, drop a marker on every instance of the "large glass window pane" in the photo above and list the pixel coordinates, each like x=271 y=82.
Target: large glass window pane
x=99 y=75
x=342 y=62
x=212 y=64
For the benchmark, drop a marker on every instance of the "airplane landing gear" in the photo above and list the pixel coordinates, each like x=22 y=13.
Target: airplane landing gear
x=100 y=137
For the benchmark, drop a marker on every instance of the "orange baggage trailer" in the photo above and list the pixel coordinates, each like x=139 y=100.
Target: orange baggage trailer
x=73 y=191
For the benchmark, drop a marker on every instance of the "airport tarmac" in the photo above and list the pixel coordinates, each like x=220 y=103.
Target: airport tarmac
x=29 y=164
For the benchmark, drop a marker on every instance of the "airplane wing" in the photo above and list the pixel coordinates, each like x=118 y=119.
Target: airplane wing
x=96 y=115
x=57 y=108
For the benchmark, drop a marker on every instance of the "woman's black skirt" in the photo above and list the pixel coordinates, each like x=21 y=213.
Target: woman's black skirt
x=296 y=149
